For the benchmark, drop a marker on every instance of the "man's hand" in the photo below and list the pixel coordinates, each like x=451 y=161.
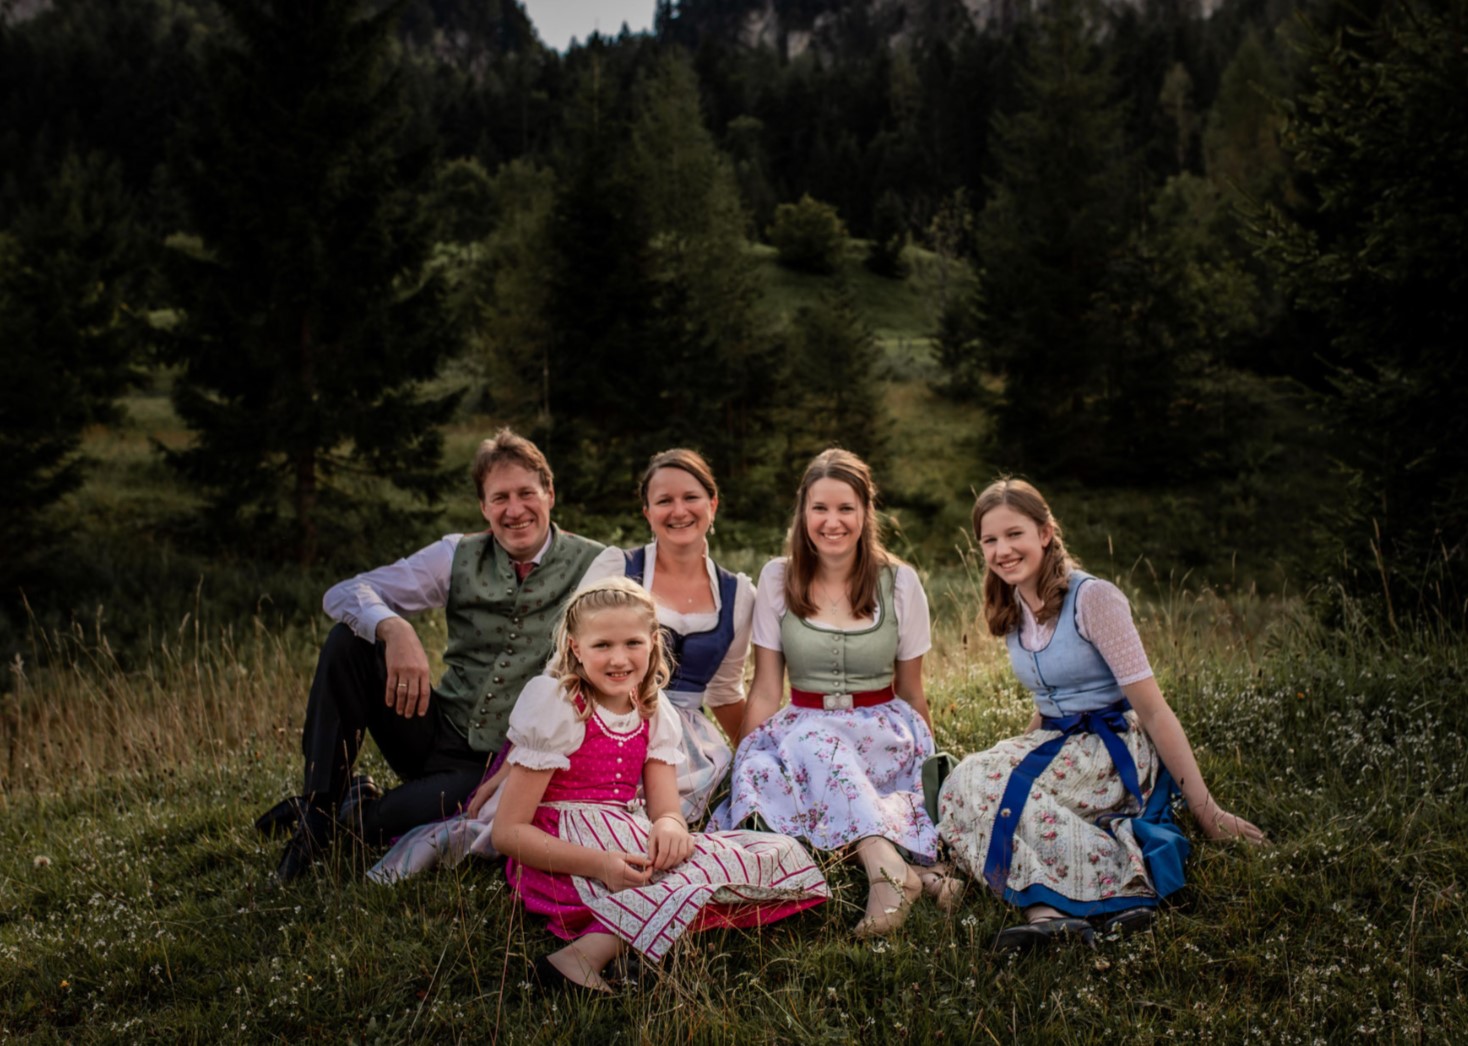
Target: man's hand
x=408 y=688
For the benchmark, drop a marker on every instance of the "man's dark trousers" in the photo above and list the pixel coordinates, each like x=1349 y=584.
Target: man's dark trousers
x=438 y=768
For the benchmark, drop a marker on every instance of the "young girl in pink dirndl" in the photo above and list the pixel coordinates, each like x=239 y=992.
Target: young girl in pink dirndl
x=581 y=849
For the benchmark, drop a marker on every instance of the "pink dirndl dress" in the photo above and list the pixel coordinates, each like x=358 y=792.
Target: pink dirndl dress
x=733 y=879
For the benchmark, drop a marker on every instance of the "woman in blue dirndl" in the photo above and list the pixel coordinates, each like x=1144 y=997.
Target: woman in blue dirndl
x=1072 y=820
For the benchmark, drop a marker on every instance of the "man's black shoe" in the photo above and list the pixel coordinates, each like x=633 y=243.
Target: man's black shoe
x=360 y=792
x=282 y=817
x=305 y=847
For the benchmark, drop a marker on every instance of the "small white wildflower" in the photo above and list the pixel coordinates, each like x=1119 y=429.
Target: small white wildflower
x=41 y=861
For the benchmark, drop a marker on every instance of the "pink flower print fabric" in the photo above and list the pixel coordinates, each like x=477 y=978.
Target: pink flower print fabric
x=1062 y=841
x=833 y=777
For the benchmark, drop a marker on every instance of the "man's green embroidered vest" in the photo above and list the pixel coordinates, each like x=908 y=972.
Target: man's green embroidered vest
x=500 y=631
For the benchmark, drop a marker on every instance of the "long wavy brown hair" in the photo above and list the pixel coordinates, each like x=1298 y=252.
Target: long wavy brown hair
x=613 y=593
x=871 y=556
x=1001 y=608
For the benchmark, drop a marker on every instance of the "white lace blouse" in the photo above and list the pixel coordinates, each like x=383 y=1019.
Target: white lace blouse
x=1104 y=619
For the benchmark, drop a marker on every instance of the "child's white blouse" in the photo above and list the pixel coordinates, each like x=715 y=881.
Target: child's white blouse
x=545 y=731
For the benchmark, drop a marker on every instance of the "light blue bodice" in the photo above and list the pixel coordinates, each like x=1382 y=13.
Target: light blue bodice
x=1068 y=675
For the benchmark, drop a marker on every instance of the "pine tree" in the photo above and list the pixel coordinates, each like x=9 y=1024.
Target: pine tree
x=307 y=327
x=599 y=326
x=68 y=339
x=707 y=350
x=1382 y=137
x=829 y=388
x=1045 y=241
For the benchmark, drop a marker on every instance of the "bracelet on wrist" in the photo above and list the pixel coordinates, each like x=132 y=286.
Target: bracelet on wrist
x=678 y=817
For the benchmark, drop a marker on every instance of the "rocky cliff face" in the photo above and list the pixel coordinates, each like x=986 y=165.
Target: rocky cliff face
x=793 y=29
x=795 y=26
x=19 y=10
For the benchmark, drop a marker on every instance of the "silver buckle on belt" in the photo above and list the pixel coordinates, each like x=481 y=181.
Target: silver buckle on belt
x=836 y=702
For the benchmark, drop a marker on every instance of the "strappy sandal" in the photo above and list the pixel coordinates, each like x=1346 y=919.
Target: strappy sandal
x=891 y=919
x=945 y=888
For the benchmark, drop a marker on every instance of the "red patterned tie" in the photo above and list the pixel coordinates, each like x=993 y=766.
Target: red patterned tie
x=522 y=570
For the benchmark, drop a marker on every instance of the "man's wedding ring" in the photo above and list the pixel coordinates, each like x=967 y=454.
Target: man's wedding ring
x=402 y=686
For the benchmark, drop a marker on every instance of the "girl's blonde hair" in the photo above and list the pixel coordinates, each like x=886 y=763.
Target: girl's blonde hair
x=613 y=593
x=1001 y=610
x=871 y=556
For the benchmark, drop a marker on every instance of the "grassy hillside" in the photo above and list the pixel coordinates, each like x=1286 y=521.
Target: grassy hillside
x=136 y=902
x=139 y=739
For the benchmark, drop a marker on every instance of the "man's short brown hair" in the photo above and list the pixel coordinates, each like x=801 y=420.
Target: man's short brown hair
x=509 y=446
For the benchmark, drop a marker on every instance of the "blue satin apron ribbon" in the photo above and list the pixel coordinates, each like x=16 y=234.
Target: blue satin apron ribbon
x=1163 y=845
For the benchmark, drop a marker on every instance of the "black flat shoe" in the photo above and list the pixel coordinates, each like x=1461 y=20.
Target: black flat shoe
x=551 y=981
x=282 y=817
x=1043 y=935
x=1125 y=922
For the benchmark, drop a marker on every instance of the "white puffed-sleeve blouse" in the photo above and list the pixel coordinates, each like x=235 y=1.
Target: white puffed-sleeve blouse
x=545 y=731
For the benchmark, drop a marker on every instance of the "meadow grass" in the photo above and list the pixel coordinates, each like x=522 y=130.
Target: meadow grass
x=136 y=903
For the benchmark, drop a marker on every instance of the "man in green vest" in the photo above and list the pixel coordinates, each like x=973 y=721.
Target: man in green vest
x=502 y=591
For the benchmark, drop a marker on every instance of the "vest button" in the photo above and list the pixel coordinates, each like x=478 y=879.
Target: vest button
x=499 y=679
x=504 y=664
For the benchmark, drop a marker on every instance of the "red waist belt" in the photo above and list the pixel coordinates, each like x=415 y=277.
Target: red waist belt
x=835 y=702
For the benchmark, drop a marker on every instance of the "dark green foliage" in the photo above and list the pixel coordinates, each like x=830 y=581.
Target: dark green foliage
x=889 y=238
x=830 y=388
x=809 y=236
x=650 y=339
x=106 y=78
x=307 y=327
x=1045 y=243
x=596 y=359
x=1168 y=320
x=1241 y=147
x=1382 y=136
x=461 y=204
x=69 y=342
x=959 y=349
